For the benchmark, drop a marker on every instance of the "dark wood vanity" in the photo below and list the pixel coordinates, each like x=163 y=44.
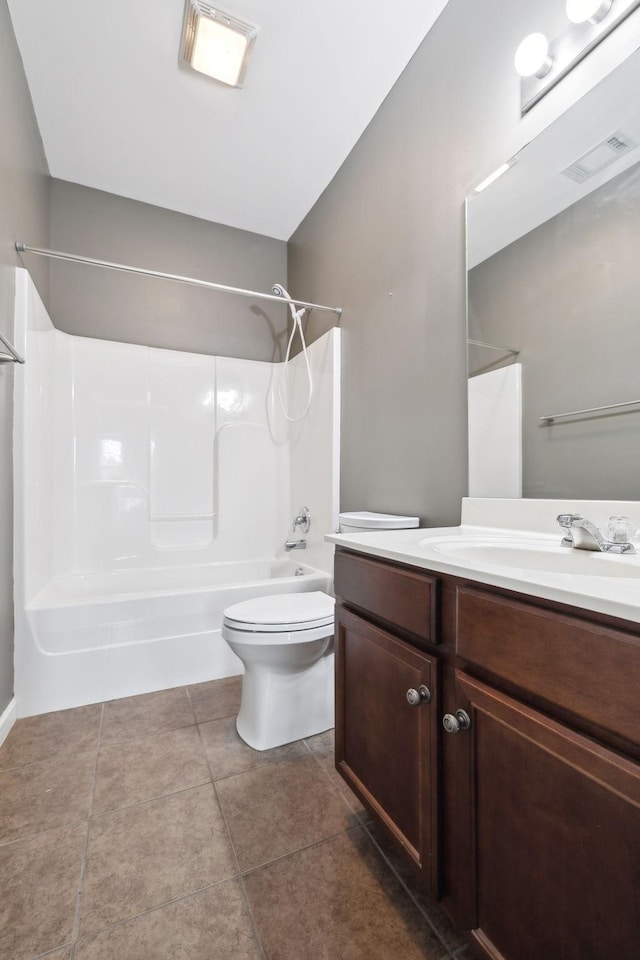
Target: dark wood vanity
x=524 y=818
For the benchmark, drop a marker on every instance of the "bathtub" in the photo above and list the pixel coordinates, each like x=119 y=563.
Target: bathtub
x=90 y=637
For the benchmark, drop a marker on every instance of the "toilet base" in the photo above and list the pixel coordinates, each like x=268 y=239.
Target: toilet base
x=280 y=706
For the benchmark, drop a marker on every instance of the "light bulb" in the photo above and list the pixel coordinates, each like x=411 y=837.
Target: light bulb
x=532 y=56
x=579 y=11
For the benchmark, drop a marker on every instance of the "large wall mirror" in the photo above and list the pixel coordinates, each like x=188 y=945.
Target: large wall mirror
x=553 y=269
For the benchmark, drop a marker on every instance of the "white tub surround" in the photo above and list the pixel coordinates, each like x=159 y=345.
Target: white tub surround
x=520 y=535
x=7 y=719
x=152 y=488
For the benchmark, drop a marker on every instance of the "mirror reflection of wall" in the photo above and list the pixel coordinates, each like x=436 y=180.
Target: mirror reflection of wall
x=566 y=296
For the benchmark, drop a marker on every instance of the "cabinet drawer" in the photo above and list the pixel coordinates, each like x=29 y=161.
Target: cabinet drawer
x=584 y=668
x=401 y=598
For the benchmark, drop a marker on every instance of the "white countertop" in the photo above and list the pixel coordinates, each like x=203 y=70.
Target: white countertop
x=617 y=596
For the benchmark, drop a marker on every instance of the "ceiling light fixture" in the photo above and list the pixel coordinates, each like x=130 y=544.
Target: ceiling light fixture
x=593 y=11
x=532 y=56
x=492 y=177
x=216 y=44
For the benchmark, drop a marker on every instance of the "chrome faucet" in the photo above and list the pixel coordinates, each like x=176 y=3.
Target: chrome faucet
x=295 y=544
x=303 y=520
x=584 y=535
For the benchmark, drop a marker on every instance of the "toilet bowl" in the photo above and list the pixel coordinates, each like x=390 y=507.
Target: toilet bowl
x=286 y=645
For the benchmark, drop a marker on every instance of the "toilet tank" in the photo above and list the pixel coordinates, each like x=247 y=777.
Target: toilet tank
x=363 y=521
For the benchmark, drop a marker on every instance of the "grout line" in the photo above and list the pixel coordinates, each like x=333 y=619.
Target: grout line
x=38 y=833
x=190 y=702
x=153 y=909
x=409 y=892
x=83 y=868
x=335 y=786
x=234 y=854
x=293 y=853
x=49 y=953
x=157 y=733
x=32 y=763
x=159 y=796
x=252 y=919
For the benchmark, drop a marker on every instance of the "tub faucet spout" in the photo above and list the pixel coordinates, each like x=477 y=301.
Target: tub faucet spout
x=295 y=544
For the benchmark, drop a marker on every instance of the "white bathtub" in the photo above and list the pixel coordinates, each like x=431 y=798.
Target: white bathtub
x=91 y=637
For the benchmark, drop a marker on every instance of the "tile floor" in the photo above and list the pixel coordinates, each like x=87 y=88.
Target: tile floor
x=145 y=829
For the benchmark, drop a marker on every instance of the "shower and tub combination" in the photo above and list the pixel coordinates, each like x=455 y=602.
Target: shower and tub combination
x=154 y=489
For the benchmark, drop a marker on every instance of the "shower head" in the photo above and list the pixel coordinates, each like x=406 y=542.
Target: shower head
x=296 y=315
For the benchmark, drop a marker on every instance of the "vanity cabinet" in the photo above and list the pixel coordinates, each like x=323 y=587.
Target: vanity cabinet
x=387 y=708
x=548 y=790
x=526 y=817
x=553 y=825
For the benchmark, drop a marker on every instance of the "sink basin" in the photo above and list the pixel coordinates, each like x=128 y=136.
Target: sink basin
x=532 y=555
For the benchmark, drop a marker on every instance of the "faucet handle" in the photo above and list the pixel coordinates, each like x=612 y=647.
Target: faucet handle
x=620 y=529
x=566 y=519
x=303 y=520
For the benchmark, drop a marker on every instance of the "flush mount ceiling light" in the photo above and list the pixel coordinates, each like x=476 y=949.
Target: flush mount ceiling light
x=216 y=44
x=532 y=56
x=593 y=11
x=541 y=65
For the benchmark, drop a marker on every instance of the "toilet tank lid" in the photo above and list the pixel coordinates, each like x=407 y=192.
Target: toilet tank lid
x=283 y=608
x=378 y=521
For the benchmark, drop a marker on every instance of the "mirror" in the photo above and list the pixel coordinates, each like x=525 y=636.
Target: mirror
x=553 y=270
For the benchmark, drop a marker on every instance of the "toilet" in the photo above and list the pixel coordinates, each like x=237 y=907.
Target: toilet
x=285 y=642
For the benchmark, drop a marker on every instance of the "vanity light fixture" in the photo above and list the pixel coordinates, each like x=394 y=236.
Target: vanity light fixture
x=581 y=11
x=532 y=56
x=216 y=44
x=541 y=65
x=493 y=177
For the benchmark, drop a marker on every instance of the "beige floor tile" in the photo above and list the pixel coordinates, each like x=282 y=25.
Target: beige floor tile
x=280 y=808
x=63 y=733
x=39 y=879
x=323 y=748
x=145 y=855
x=437 y=916
x=212 y=925
x=228 y=754
x=130 y=771
x=45 y=794
x=337 y=900
x=145 y=715
x=218 y=698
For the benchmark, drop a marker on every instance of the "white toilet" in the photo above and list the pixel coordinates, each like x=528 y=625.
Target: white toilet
x=286 y=645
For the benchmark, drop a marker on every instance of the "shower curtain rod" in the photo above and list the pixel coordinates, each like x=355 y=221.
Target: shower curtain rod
x=125 y=268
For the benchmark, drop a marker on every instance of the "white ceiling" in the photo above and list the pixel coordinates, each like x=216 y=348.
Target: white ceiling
x=117 y=113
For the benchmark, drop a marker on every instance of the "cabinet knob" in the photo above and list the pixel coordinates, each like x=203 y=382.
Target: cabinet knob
x=456 y=723
x=421 y=695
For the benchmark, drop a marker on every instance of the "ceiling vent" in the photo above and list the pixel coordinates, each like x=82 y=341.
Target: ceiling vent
x=600 y=157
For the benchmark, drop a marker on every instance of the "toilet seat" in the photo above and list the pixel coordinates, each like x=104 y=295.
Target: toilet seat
x=282 y=613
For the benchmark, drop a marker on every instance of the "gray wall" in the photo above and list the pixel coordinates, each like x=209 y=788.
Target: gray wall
x=23 y=215
x=566 y=295
x=386 y=242
x=95 y=302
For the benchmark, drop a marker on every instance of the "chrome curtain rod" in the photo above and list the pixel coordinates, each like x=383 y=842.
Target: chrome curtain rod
x=491 y=346
x=582 y=413
x=12 y=356
x=125 y=268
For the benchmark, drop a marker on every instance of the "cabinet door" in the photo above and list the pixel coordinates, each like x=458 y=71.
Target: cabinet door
x=553 y=823
x=386 y=749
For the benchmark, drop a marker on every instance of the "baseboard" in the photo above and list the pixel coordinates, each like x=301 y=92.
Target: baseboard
x=7 y=719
